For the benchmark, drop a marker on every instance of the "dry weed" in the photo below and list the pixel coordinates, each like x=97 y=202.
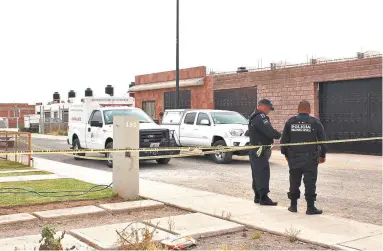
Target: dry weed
x=292 y=234
x=133 y=238
x=171 y=224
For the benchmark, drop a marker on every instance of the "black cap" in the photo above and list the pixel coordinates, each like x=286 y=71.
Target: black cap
x=266 y=102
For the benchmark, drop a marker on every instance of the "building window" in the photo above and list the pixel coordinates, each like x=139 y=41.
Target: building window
x=16 y=113
x=150 y=108
x=65 y=116
x=170 y=100
x=47 y=117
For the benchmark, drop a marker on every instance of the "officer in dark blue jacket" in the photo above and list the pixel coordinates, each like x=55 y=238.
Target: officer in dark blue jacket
x=303 y=159
x=261 y=133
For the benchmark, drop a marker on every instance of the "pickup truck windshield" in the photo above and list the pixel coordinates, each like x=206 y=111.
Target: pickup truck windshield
x=228 y=118
x=141 y=115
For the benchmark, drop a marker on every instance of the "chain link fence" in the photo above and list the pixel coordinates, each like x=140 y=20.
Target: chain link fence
x=55 y=126
x=15 y=141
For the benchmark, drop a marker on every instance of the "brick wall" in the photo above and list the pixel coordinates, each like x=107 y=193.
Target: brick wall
x=195 y=72
x=201 y=96
x=7 y=110
x=287 y=86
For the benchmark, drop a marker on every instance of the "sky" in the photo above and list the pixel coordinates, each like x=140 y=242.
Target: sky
x=48 y=46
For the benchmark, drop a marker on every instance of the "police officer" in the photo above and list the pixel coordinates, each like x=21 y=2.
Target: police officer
x=261 y=133
x=303 y=160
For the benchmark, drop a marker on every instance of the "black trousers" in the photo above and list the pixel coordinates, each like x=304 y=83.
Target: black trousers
x=303 y=165
x=260 y=170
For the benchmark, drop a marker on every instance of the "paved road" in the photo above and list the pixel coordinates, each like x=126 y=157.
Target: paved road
x=350 y=191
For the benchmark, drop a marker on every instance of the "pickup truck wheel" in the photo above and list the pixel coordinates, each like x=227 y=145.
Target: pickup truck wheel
x=222 y=157
x=109 y=161
x=76 y=146
x=163 y=161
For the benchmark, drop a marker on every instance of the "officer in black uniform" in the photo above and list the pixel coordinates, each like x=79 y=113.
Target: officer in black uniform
x=303 y=160
x=261 y=133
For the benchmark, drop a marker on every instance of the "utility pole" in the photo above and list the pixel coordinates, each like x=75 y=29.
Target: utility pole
x=177 y=58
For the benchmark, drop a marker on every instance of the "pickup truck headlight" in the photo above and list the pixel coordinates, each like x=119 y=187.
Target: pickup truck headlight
x=236 y=132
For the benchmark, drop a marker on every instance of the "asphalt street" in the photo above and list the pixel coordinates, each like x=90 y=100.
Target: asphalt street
x=353 y=191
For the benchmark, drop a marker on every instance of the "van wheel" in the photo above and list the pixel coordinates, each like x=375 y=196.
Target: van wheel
x=109 y=161
x=76 y=146
x=163 y=161
x=222 y=157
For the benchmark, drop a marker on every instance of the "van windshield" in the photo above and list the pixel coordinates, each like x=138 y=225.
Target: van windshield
x=228 y=118
x=141 y=115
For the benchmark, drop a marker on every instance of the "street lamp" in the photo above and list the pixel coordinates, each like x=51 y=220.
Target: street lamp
x=177 y=59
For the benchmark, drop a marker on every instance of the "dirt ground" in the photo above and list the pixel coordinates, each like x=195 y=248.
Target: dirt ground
x=55 y=205
x=246 y=241
x=86 y=221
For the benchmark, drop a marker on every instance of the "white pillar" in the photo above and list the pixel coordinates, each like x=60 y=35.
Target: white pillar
x=126 y=134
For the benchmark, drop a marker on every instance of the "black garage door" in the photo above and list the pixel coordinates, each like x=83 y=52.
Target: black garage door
x=170 y=100
x=352 y=109
x=242 y=100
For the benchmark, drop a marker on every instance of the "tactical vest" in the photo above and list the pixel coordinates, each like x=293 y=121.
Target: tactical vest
x=303 y=130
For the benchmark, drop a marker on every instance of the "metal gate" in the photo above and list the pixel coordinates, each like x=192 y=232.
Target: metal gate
x=242 y=100
x=170 y=100
x=352 y=109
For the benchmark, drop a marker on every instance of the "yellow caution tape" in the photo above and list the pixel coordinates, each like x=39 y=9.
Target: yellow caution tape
x=214 y=149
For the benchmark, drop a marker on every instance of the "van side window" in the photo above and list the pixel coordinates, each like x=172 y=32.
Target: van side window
x=96 y=117
x=202 y=116
x=189 y=118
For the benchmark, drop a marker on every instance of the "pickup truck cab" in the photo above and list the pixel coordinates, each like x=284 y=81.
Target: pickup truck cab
x=91 y=127
x=208 y=128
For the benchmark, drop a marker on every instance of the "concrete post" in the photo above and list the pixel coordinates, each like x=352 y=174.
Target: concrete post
x=126 y=134
x=42 y=120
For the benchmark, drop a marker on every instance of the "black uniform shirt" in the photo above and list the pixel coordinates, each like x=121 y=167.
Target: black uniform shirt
x=260 y=130
x=303 y=128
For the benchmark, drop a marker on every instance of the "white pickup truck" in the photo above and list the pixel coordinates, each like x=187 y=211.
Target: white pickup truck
x=208 y=128
x=8 y=139
x=91 y=127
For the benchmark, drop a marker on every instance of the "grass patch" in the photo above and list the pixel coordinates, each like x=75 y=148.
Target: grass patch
x=24 y=199
x=6 y=165
x=24 y=173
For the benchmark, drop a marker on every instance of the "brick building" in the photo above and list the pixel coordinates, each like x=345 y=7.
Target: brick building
x=15 y=113
x=156 y=92
x=345 y=94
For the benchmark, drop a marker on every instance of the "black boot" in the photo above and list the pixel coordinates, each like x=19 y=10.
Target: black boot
x=311 y=209
x=257 y=198
x=266 y=201
x=293 y=206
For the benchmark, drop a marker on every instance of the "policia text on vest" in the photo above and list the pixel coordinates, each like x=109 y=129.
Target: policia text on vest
x=303 y=160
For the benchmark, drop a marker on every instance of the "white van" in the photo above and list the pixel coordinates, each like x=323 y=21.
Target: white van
x=91 y=126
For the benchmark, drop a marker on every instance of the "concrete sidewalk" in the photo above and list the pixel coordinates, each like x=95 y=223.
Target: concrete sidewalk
x=321 y=229
x=47 y=136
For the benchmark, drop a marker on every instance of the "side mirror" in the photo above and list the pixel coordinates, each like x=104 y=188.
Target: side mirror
x=95 y=124
x=205 y=122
